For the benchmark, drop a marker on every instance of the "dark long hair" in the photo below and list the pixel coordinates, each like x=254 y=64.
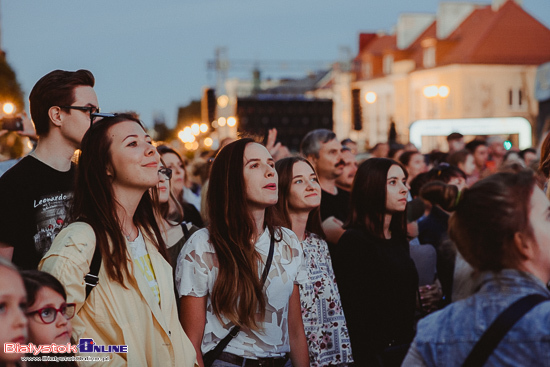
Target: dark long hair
x=284 y=169
x=368 y=199
x=95 y=203
x=237 y=292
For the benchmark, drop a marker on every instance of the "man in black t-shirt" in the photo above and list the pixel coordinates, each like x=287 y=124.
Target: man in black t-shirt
x=35 y=193
x=323 y=150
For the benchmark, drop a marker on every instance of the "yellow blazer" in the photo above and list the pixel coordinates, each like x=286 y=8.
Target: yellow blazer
x=113 y=315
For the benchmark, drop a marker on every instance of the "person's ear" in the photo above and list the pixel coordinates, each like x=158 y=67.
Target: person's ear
x=54 y=113
x=525 y=246
x=110 y=171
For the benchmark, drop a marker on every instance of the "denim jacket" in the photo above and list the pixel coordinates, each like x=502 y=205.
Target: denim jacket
x=447 y=337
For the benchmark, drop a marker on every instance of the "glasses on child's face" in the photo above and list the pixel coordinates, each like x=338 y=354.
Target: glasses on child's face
x=49 y=314
x=166 y=173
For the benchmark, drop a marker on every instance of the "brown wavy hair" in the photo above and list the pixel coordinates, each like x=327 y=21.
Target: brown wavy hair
x=284 y=169
x=237 y=294
x=95 y=203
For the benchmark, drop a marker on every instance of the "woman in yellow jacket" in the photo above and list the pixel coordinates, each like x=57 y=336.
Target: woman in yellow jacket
x=133 y=303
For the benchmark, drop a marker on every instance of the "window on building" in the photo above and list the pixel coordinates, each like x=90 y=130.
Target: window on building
x=429 y=57
x=516 y=100
x=367 y=70
x=388 y=64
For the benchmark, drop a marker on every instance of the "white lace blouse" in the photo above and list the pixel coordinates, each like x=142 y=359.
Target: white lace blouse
x=196 y=272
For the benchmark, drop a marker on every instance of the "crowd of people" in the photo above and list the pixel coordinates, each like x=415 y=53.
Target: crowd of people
x=325 y=257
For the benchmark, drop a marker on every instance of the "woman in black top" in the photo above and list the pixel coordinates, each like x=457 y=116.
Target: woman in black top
x=376 y=276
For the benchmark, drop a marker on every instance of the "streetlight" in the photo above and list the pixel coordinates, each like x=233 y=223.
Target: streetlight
x=203 y=127
x=370 y=97
x=231 y=121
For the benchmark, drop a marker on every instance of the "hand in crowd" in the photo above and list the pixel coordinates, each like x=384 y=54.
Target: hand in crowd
x=28 y=127
x=430 y=296
x=277 y=150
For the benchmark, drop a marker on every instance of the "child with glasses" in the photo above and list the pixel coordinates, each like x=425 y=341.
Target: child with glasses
x=49 y=315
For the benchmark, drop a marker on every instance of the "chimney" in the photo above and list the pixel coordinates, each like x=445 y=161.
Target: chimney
x=410 y=27
x=497 y=4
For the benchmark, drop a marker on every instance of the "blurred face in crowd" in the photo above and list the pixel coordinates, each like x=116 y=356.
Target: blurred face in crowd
x=456 y=145
x=497 y=148
x=539 y=220
x=481 y=155
x=469 y=166
x=59 y=331
x=305 y=191
x=416 y=166
x=345 y=180
x=13 y=301
x=260 y=177
x=163 y=188
x=173 y=162
x=396 y=190
x=529 y=158
x=329 y=164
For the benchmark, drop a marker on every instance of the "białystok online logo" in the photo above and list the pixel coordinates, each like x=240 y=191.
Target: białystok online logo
x=88 y=346
x=84 y=346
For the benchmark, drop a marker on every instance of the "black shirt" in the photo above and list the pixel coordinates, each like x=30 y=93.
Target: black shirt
x=34 y=201
x=335 y=205
x=378 y=282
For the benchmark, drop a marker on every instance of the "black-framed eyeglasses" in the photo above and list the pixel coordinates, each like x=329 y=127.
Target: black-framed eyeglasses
x=93 y=111
x=49 y=314
x=166 y=172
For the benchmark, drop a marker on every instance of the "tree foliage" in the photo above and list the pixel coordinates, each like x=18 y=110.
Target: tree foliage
x=10 y=90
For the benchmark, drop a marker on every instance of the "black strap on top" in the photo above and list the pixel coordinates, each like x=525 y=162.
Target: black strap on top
x=186 y=232
x=496 y=331
x=212 y=355
x=92 y=279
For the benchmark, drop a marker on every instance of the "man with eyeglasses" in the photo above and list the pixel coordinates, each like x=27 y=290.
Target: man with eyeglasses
x=35 y=194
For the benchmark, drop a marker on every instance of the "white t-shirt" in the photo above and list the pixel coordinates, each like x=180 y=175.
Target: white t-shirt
x=196 y=273
x=143 y=262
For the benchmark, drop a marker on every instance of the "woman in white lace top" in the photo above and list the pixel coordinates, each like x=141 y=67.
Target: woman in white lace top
x=219 y=268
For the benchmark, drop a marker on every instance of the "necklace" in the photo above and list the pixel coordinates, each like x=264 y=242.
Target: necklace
x=128 y=235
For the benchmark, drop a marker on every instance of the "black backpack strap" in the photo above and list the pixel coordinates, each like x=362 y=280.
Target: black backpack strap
x=92 y=278
x=213 y=354
x=496 y=331
x=186 y=233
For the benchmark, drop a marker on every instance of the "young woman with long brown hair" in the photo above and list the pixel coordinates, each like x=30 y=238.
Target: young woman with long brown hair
x=376 y=276
x=219 y=268
x=133 y=302
x=299 y=209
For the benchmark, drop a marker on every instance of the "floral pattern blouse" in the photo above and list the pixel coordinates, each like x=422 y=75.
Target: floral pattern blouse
x=325 y=325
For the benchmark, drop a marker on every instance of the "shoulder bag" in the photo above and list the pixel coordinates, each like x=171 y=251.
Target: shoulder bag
x=209 y=357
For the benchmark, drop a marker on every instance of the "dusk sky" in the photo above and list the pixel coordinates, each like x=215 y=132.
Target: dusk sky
x=150 y=56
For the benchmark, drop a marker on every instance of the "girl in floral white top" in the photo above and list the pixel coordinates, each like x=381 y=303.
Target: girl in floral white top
x=218 y=271
x=323 y=317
